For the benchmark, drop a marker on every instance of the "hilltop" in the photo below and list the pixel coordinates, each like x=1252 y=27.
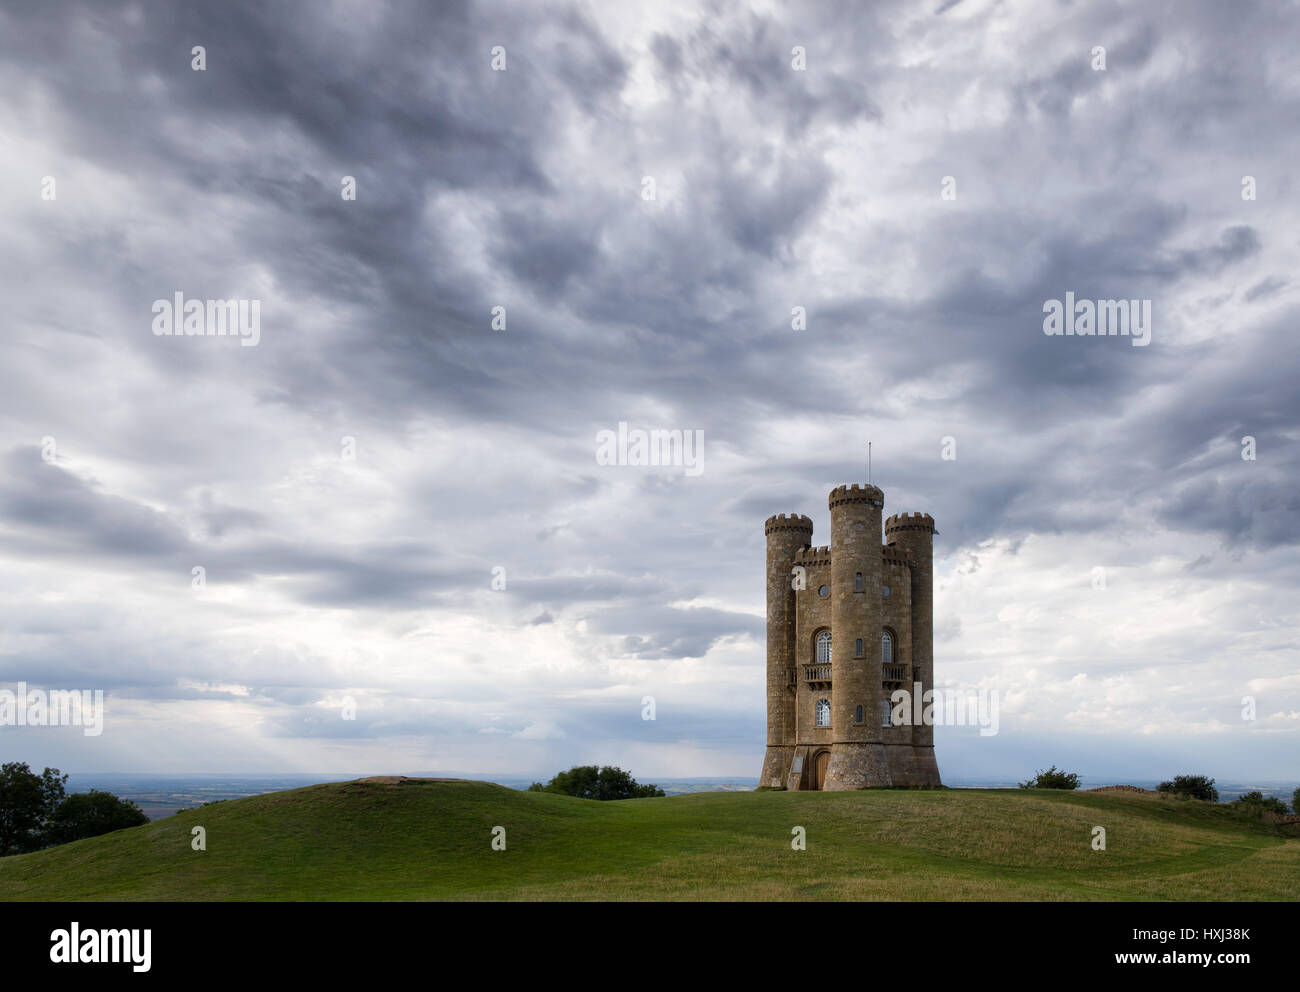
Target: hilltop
x=410 y=839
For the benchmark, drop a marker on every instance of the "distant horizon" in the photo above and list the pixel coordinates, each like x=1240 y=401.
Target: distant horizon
x=493 y=776
x=161 y=795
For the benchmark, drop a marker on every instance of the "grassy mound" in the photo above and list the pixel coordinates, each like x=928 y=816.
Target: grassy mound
x=398 y=838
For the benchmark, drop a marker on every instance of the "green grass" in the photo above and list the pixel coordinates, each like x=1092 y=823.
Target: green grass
x=432 y=840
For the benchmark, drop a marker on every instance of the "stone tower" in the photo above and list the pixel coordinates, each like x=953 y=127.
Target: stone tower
x=848 y=624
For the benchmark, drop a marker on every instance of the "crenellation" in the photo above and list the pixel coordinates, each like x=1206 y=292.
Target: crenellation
x=869 y=495
x=810 y=556
x=909 y=521
x=788 y=522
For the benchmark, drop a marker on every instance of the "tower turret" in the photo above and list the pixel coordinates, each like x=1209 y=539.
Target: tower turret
x=855 y=618
x=913 y=535
x=786 y=534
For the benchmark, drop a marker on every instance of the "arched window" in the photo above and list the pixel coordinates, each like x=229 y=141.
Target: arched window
x=824 y=648
x=859 y=651
x=858 y=716
x=886 y=713
x=857 y=582
x=887 y=648
x=823 y=712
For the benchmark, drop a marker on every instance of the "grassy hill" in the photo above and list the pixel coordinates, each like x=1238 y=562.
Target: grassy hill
x=430 y=839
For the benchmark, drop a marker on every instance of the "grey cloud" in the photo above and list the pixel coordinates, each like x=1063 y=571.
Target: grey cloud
x=521 y=189
x=53 y=511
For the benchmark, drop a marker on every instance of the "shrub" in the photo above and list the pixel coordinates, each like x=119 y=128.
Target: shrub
x=1256 y=805
x=1052 y=779
x=590 y=782
x=1192 y=786
x=89 y=814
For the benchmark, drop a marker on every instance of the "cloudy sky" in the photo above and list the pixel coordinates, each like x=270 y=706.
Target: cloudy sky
x=362 y=570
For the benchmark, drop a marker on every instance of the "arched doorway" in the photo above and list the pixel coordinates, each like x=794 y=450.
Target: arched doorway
x=819 y=769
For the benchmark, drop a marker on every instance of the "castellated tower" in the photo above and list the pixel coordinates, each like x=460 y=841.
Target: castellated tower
x=785 y=536
x=848 y=624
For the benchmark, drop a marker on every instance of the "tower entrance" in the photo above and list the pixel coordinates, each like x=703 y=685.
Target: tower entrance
x=819 y=769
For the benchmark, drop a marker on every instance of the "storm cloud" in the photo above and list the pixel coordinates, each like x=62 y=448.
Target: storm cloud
x=394 y=502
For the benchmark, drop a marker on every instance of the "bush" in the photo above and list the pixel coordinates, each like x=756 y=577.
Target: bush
x=1052 y=779
x=1256 y=805
x=89 y=814
x=1192 y=786
x=590 y=782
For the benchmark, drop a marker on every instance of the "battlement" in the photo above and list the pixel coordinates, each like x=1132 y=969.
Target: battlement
x=809 y=557
x=856 y=494
x=909 y=521
x=792 y=521
x=892 y=556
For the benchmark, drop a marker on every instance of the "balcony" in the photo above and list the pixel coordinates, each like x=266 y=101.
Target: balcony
x=816 y=673
x=893 y=673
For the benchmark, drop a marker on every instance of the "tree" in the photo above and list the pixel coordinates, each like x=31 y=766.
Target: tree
x=1052 y=779
x=590 y=782
x=1295 y=800
x=1193 y=786
x=89 y=814
x=27 y=801
x=1257 y=804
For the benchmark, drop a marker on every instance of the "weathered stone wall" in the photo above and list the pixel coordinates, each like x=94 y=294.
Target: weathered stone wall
x=897 y=609
x=812 y=616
